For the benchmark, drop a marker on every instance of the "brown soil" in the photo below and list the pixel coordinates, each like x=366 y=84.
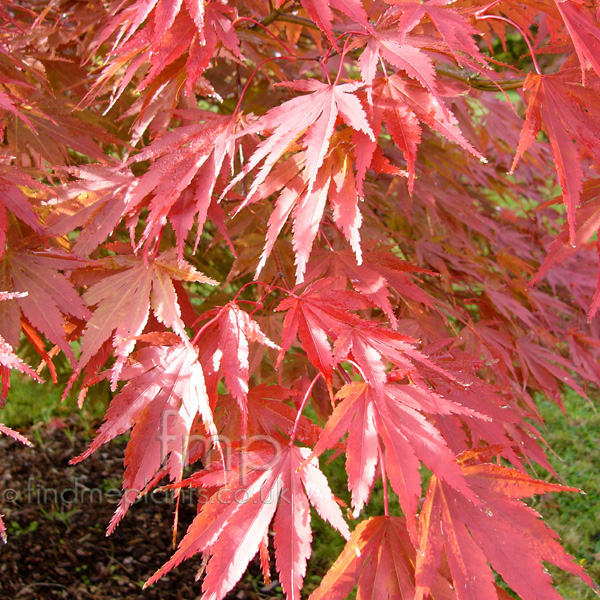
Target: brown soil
x=57 y=547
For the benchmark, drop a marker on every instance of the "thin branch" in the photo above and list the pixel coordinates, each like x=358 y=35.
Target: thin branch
x=486 y=85
x=290 y=19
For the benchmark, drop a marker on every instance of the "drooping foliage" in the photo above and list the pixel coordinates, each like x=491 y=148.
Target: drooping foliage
x=281 y=228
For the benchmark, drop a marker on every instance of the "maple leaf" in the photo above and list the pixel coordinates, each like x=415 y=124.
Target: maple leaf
x=313 y=116
x=380 y=558
x=403 y=126
x=15 y=435
x=587 y=223
x=14 y=200
x=584 y=31
x=11 y=102
x=368 y=342
x=335 y=183
x=218 y=29
x=567 y=111
x=95 y=203
x=365 y=278
x=55 y=130
x=185 y=165
x=454 y=29
x=549 y=370
x=9 y=360
x=400 y=277
x=50 y=294
x=495 y=425
x=123 y=301
x=320 y=12
x=379 y=274
x=394 y=421
x=402 y=55
x=499 y=529
x=225 y=350
x=164 y=394
x=230 y=530
x=312 y=315
x=158 y=34
x=507 y=305
x=401 y=105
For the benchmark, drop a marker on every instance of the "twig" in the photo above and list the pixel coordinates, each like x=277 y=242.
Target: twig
x=483 y=84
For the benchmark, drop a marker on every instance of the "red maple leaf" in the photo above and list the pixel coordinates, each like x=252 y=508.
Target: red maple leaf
x=567 y=111
x=453 y=27
x=9 y=360
x=402 y=105
x=379 y=276
x=225 y=351
x=587 y=223
x=499 y=530
x=335 y=184
x=123 y=300
x=232 y=523
x=155 y=34
x=50 y=294
x=268 y=415
x=390 y=46
x=95 y=203
x=12 y=199
x=313 y=315
x=320 y=12
x=392 y=421
x=380 y=558
x=164 y=394
x=312 y=117
x=582 y=26
x=183 y=173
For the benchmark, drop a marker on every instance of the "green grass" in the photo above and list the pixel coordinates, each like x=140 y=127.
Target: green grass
x=30 y=403
x=576 y=517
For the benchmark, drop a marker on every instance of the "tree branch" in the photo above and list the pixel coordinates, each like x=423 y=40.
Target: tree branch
x=486 y=85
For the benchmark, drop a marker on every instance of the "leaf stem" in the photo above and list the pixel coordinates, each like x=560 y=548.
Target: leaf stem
x=357 y=367
x=206 y=325
x=344 y=374
x=279 y=264
x=268 y=31
x=343 y=56
x=386 y=509
x=268 y=286
x=302 y=405
x=258 y=66
x=481 y=17
x=285 y=17
x=335 y=48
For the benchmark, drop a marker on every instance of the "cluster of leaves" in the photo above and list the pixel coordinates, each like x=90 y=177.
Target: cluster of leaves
x=245 y=213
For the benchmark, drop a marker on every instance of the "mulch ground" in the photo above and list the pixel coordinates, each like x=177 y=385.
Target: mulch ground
x=56 y=522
